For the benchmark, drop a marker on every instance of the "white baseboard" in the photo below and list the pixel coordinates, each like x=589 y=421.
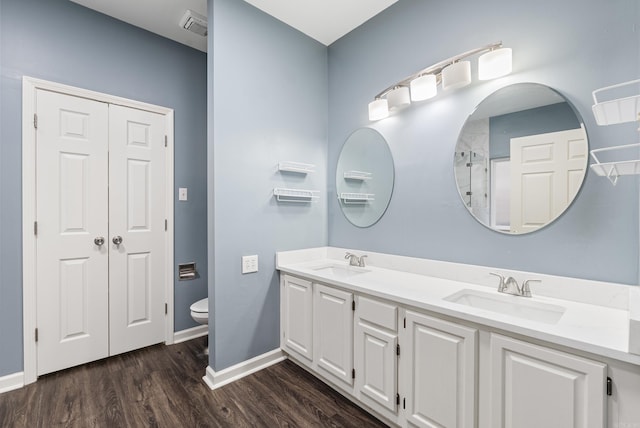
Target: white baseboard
x=190 y=333
x=11 y=382
x=215 y=379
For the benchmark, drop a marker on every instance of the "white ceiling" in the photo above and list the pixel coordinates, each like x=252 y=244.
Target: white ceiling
x=324 y=20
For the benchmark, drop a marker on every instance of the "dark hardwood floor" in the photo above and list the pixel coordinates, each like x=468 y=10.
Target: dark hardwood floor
x=161 y=386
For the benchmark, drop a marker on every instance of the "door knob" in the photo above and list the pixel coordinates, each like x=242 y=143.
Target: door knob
x=99 y=241
x=117 y=240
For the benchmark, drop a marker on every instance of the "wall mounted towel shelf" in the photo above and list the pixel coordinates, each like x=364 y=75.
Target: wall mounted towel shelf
x=297 y=167
x=295 y=195
x=356 y=198
x=612 y=112
x=619 y=110
x=357 y=175
x=615 y=169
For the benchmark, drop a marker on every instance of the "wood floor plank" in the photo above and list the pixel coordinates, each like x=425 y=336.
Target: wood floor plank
x=161 y=386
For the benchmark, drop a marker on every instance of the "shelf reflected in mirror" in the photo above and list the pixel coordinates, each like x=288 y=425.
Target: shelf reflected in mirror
x=364 y=177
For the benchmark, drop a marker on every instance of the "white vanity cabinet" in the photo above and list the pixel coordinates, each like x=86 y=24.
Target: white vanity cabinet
x=376 y=359
x=296 y=316
x=317 y=324
x=413 y=368
x=531 y=386
x=438 y=372
x=333 y=333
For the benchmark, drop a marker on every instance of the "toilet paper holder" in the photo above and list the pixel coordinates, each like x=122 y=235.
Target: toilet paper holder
x=187 y=271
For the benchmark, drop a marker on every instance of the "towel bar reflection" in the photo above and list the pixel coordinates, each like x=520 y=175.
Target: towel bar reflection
x=358 y=175
x=356 y=198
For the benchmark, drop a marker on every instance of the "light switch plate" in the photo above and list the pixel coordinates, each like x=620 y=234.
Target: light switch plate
x=182 y=194
x=249 y=264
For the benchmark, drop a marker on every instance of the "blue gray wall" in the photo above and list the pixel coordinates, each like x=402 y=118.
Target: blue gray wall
x=268 y=100
x=574 y=46
x=60 y=41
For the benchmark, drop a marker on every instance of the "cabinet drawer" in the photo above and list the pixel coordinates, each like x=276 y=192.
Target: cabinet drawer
x=378 y=313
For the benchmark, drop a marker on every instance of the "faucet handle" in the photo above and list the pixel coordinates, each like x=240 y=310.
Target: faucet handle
x=353 y=259
x=501 y=285
x=361 y=260
x=526 y=291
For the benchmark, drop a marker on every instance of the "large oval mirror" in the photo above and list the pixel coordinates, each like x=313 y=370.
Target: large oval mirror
x=521 y=158
x=364 y=177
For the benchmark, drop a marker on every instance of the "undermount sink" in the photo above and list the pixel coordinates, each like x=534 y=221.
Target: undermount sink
x=341 y=271
x=505 y=304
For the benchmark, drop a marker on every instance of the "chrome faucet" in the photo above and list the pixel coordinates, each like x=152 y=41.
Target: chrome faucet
x=509 y=285
x=355 y=260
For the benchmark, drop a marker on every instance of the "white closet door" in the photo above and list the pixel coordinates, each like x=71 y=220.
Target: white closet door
x=137 y=217
x=72 y=197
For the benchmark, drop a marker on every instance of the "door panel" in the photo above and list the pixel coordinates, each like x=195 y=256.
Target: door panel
x=138 y=291
x=136 y=214
x=138 y=197
x=72 y=271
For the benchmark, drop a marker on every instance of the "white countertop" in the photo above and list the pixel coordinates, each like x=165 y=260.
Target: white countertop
x=601 y=330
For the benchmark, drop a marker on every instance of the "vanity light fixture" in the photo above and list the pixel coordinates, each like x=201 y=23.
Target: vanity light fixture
x=378 y=109
x=398 y=98
x=495 y=63
x=451 y=73
x=456 y=75
x=424 y=87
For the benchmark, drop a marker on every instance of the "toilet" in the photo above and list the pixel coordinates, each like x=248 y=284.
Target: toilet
x=200 y=311
x=200 y=314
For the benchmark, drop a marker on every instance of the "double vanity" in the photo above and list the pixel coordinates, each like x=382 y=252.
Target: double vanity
x=434 y=344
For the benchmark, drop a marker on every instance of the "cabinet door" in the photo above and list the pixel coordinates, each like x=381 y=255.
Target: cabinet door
x=533 y=386
x=438 y=371
x=333 y=332
x=297 y=316
x=376 y=367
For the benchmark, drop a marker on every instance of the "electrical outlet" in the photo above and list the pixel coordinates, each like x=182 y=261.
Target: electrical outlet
x=249 y=264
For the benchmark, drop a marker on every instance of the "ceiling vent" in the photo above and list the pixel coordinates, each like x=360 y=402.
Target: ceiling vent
x=195 y=23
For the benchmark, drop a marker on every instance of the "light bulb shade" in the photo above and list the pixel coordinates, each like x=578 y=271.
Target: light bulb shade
x=494 y=64
x=423 y=87
x=398 y=98
x=378 y=109
x=456 y=75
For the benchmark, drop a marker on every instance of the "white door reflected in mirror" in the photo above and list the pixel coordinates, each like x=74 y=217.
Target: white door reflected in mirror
x=521 y=158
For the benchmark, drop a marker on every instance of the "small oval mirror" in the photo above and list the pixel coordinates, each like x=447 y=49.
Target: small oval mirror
x=521 y=158
x=364 y=177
